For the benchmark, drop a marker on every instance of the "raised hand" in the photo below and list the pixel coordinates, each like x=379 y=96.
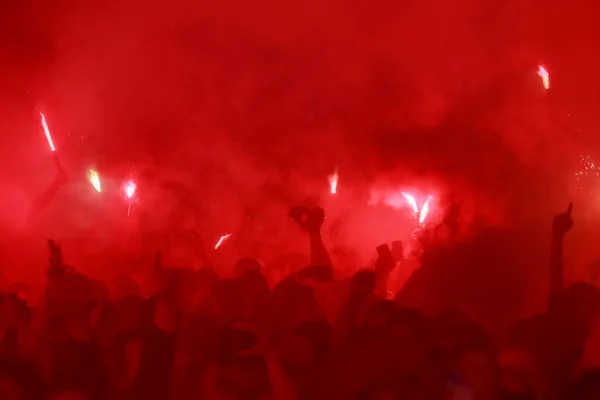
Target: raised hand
x=310 y=220
x=314 y=220
x=563 y=222
x=55 y=260
x=299 y=214
x=384 y=264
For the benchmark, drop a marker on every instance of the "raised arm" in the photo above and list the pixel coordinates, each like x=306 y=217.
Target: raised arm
x=561 y=225
x=383 y=268
x=318 y=252
x=312 y=221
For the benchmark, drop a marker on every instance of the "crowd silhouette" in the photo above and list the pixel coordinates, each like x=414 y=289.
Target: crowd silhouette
x=308 y=335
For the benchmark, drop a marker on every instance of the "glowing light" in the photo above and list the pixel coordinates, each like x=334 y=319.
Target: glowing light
x=424 y=211
x=47 y=133
x=130 y=187
x=399 y=200
x=411 y=201
x=333 y=182
x=394 y=200
x=222 y=240
x=95 y=180
x=587 y=175
x=545 y=75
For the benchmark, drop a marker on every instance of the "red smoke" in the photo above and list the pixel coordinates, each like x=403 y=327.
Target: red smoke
x=230 y=112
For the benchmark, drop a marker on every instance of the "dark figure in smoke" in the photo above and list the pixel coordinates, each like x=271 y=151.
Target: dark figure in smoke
x=42 y=201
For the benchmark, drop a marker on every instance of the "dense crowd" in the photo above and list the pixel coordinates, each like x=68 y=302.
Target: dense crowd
x=308 y=335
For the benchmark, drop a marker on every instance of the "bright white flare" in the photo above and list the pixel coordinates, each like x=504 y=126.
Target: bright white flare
x=398 y=200
x=411 y=201
x=222 y=240
x=424 y=211
x=545 y=75
x=95 y=180
x=333 y=182
x=130 y=189
x=47 y=133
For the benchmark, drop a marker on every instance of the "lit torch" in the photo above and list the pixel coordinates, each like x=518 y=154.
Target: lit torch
x=410 y=199
x=129 y=189
x=545 y=75
x=222 y=240
x=95 y=180
x=424 y=211
x=47 y=133
x=333 y=182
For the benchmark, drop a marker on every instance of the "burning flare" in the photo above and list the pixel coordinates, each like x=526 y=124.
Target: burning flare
x=543 y=73
x=95 y=180
x=411 y=201
x=424 y=211
x=130 y=187
x=222 y=240
x=333 y=182
x=47 y=133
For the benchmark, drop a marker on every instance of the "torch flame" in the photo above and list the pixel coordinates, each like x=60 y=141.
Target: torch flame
x=333 y=182
x=47 y=133
x=545 y=75
x=130 y=189
x=424 y=211
x=411 y=201
x=95 y=180
x=222 y=240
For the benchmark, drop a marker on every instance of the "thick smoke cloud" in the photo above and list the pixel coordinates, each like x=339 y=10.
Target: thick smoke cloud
x=240 y=109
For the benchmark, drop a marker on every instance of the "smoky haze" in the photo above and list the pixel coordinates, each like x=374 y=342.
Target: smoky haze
x=230 y=110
